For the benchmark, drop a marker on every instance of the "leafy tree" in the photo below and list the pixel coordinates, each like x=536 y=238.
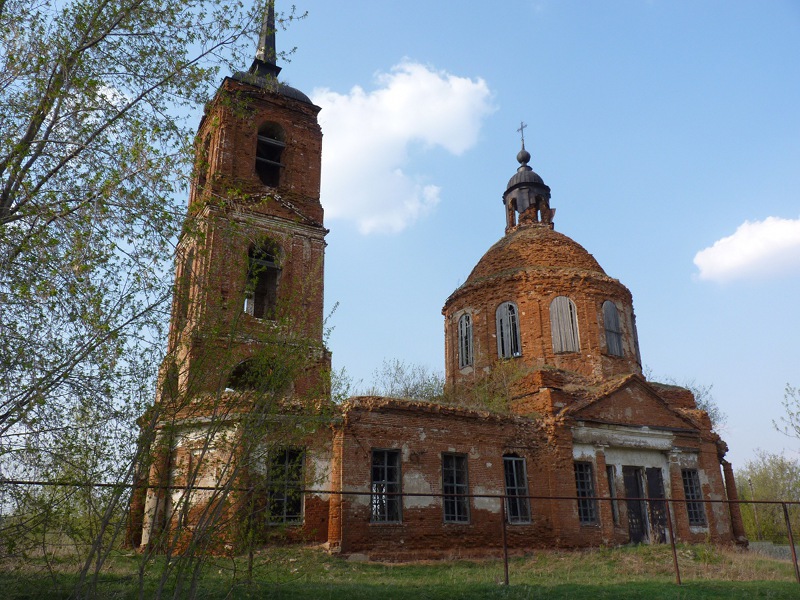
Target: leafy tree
x=95 y=154
x=703 y=396
x=769 y=477
x=397 y=379
x=92 y=153
x=789 y=424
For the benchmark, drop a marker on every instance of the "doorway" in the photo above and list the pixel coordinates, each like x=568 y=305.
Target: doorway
x=646 y=520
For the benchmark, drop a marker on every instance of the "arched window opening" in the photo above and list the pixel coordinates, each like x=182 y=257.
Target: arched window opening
x=202 y=164
x=508 y=342
x=613 y=331
x=464 y=341
x=263 y=272
x=258 y=375
x=518 y=508
x=269 y=149
x=564 y=325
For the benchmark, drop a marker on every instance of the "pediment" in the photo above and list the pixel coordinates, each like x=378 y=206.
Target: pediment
x=633 y=403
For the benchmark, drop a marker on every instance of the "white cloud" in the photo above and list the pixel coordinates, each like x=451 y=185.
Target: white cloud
x=757 y=249
x=369 y=135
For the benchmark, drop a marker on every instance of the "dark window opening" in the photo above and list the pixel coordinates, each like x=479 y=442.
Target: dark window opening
x=694 y=494
x=564 y=325
x=455 y=488
x=612 y=491
x=285 y=498
x=202 y=164
x=184 y=288
x=464 y=341
x=263 y=272
x=385 y=501
x=269 y=149
x=508 y=340
x=613 y=330
x=261 y=375
x=518 y=509
x=584 y=486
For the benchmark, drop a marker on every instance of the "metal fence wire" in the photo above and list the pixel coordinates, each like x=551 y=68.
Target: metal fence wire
x=503 y=498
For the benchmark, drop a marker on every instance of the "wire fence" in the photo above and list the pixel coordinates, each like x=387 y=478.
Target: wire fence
x=503 y=499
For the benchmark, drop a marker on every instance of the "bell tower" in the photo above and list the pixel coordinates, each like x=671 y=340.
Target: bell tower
x=245 y=352
x=250 y=262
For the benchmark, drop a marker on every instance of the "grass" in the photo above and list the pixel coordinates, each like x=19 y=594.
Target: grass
x=302 y=573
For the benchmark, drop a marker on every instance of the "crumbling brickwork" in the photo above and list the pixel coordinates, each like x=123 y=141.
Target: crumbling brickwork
x=547 y=422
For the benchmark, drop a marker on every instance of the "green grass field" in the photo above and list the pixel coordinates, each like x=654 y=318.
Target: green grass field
x=299 y=573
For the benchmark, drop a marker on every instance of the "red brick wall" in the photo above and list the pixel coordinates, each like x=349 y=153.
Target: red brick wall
x=422 y=432
x=532 y=266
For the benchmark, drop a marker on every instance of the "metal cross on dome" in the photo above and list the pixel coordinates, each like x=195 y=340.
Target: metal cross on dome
x=522 y=126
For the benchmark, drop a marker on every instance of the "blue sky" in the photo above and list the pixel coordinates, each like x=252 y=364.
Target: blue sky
x=668 y=131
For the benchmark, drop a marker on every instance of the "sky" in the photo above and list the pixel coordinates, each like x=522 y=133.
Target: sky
x=668 y=131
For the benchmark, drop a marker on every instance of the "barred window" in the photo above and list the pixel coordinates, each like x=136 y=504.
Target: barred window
x=455 y=487
x=693 y=493
x=564 y=325
x=464 y=341
x=385 y=501
x=508 y=342
x=518 y=508
x=584 y=486
x=285 y=486
x=613 y=330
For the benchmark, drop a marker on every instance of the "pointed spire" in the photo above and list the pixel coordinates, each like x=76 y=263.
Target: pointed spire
x=264 y=64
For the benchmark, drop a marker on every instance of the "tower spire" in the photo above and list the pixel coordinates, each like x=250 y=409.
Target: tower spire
x=264 y=64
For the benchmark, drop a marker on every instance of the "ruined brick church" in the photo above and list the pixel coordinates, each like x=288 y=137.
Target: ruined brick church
x=577 y=427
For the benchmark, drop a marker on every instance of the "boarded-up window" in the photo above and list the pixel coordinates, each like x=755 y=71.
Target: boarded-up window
x=564 y=325
x=613 y=331
x=269 y=149
x=508 y=343
x=464 y=341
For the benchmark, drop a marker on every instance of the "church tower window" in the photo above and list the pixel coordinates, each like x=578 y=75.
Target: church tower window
x=613 y=331
x=262 y=282
x=464 y=341
x=508 y=342
x=269 y=149
x=564 y=325
x=184 y=288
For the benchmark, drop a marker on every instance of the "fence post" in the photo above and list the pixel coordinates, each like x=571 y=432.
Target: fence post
x=672 y=542
x=791 y=541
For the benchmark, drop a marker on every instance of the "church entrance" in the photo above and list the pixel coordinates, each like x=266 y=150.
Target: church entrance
x=646 y=520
